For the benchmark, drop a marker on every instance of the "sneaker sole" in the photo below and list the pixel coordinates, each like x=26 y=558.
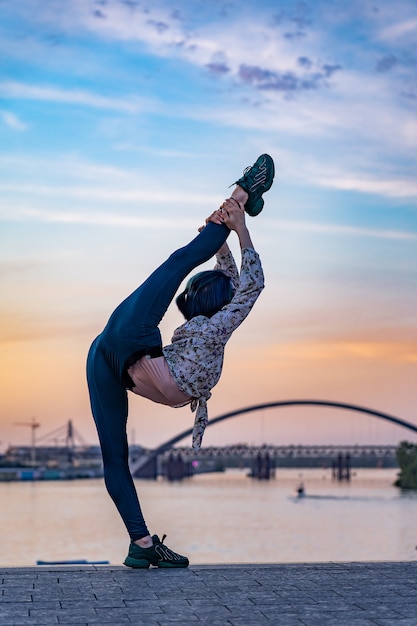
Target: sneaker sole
x=136 y=563
x=144 y=564
x=254 y=208
x=167 y=564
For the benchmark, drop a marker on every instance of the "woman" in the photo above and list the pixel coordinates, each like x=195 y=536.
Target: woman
x=128 y=354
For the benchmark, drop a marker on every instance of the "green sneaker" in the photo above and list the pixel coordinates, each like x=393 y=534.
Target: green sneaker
x=255 y=181
x=158 y=555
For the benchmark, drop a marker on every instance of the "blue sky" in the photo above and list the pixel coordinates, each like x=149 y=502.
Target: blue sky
x=122 y=125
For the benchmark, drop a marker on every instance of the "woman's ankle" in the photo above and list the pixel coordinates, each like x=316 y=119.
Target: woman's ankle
x=144 y=542
x=239 y=194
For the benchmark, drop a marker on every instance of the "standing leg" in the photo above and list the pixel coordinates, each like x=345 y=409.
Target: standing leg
x=109 y=407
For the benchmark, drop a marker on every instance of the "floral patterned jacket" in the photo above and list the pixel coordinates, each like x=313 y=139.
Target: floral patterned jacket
x=195 y=356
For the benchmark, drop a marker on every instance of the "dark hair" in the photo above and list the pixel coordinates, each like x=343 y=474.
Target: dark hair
x=205 y=294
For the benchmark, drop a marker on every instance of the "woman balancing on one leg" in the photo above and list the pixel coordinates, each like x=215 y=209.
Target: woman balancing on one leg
x=128 y=354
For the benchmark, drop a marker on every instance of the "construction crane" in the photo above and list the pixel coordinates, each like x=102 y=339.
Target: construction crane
x=33 y=426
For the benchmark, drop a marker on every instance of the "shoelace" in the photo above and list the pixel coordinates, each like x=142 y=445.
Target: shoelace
x=245 y=171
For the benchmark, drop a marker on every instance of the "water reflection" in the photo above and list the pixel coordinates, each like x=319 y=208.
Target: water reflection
x=217 y=518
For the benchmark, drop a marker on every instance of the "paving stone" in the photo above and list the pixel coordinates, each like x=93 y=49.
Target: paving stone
x=244 y=621
x=400 y=622
x=209 y=600
x=179 y=620
x=13 y=612
x=406 y=610
x=207 y=614
x=321 y=594
x=335 y=621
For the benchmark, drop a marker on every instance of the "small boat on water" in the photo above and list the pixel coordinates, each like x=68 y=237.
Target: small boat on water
x=300 y=490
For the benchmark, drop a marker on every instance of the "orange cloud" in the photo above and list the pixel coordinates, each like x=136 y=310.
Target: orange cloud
x=399 y=351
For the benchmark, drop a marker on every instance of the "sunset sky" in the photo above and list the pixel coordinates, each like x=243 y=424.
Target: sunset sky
x=122 y=124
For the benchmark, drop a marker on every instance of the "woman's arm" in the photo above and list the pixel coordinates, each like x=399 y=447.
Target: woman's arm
x=251 y=278
x=224 y=257
x=251 y=283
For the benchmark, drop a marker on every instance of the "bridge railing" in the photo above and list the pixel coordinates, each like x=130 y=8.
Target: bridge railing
x=289 y=451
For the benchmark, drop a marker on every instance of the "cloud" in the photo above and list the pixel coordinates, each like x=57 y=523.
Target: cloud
x=21 y=327
x=300 y=15
x=378 y=119
x=385 y=168
x=99 y=14
x=289 y=81
x=294 y=36
x=156 y=26
x=159 y=26
x=395 y=188
x=163 y=222
x=12 y=269
x=305 y=62
x=105 y=219
x=132 y=4
x=11 y=89
x=336 y=229
x=378 y=350
x=386 y=63
x=410 y=95
x=329 y=70
x=218 y=68
x=400 y=29
x=166 y=32
x=11 y=120
x=110 y=191
x=99 y=218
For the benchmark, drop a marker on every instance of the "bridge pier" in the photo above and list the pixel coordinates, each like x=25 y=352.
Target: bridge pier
x=175 y=467
x=263 y=466
x=341 y=469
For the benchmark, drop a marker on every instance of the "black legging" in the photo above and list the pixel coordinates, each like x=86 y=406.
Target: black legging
x=133 y=330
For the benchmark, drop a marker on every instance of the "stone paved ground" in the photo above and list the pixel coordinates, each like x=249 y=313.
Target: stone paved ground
x=343 y=594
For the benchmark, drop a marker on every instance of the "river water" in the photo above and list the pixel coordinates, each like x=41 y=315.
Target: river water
x=216 y=518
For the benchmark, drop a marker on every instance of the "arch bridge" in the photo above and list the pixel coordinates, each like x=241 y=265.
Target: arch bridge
x=139 y=465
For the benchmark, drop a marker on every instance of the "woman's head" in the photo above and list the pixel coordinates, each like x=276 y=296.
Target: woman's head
x=205 y=294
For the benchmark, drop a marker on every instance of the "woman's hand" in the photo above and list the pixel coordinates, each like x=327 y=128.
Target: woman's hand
x=233 y=214
x=216 y=217
x=234 y=217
